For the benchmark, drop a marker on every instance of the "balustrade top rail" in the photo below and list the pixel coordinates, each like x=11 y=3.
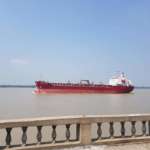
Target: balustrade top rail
x=83 y=119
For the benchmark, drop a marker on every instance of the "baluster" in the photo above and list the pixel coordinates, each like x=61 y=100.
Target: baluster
x=77 y=131
x=149 y=128
x=39 y=134
x=133 y=129
x=67 y=132
x=8 y=137
x=143 y=127
x=99 y=130
x=111 y=130
x=122 y=129
x=54 y=133
x=24 y=136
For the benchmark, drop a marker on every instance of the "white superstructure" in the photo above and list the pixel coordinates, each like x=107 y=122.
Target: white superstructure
x=120 y=80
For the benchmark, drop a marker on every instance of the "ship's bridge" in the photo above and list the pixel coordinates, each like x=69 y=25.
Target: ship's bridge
x=120 y=80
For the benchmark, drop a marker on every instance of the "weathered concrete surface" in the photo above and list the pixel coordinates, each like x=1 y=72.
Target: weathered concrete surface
x=83 y=129
x=136 y=146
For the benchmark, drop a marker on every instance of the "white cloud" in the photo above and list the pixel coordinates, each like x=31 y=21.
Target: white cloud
x=19 y=61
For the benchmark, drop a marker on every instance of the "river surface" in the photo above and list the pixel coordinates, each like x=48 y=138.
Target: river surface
x=21 y=103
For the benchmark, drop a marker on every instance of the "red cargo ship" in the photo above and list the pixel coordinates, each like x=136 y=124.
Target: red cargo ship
x=118 y=84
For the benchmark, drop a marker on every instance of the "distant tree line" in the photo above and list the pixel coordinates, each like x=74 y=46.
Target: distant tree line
x=17 y=86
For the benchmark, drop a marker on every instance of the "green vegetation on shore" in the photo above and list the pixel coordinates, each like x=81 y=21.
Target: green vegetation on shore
x=17 y=86
x=33 y=86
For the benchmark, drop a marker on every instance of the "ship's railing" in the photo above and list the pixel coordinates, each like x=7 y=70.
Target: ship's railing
x=45 y=133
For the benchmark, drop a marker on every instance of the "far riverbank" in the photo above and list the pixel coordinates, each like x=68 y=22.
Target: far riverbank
x=33 y=86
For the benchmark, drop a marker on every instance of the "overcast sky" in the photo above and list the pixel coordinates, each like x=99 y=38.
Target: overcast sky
x=61 y=40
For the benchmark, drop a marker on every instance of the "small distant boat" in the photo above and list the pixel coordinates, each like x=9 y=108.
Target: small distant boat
x=118 y=84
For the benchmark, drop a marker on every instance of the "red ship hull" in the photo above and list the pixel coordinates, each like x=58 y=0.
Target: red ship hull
x=45 y=87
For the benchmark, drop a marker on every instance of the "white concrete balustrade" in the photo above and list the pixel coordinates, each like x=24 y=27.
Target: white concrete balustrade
x=70 y=131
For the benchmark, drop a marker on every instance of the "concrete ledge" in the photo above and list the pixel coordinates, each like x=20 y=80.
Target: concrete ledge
x=47 y=146
x=121 y=141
